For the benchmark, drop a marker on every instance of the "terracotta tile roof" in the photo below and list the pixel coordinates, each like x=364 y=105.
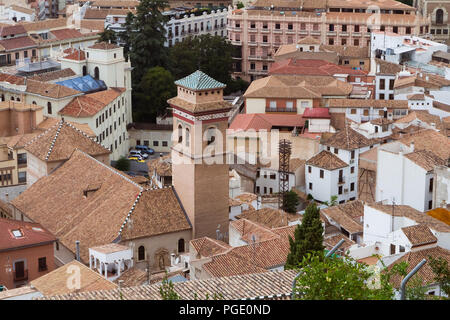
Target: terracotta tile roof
x=90 y=104
x=424 y=116
x=230 y=288
x=441 y=106
x=104 y=46
x=63 y=34
x=269 y=217
x=297 y=86
x=368 y=159
x=414 y=257
x=416 y=96
x=8 y=30
x=91 y=203
x=347 y=51
x=156 y=212
x=261 y=121
x=199 y=107
x=312 y=67
x=58 y=143
x=32 y=234
x=419 y=235
x=75 y=54
x=347 y=215
x=330 y=241
x=162 y=166
x=12 y=79
x=326 y=160
x=316 y=113
x=249 y=229
x=413 y=214
x=310 y=4
x=388 y=67
x=110 y=248
x=132 y=277
x=55 y=282
x=47 y=24
x=54 y=75
x=425 y=80
x=50 y=90
x=247 y=197
x=19 y=141
x=429 y=140
x=98 y=25
x=18 y=43
x=364 y=103
x=50 y=122
x=425 y=159
x=348 y=139
x=115 y=3
x=207 y=247
x=5 y=207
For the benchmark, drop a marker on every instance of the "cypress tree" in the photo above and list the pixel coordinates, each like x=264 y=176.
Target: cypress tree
x=308 y=237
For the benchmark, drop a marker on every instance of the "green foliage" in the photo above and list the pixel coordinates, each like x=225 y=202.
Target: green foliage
x=333 y=201
x=166 y=290
x=335 y=278
x=240 y=5
x=156 y=87
x=310 y=197
x=123 y=164
x=210 y=54
x=235 y=85
x=441 y=271
x=308 y=238
x=146 y=37
x=291 y=202
x=108 y=35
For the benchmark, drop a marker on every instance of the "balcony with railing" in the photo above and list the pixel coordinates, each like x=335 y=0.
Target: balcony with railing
x=258 y=72
x=341 y=180
x=261 y=58
x=285 y=110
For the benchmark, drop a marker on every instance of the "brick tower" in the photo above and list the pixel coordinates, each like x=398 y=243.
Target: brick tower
x=199 y=166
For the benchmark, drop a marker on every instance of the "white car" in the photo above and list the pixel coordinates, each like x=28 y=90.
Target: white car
x=137 y=153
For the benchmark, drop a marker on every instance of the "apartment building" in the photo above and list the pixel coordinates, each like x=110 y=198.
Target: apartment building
x=265 y=26
x=438 y=12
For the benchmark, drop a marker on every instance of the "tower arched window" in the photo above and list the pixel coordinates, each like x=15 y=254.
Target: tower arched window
x=181 y=245
x=439 y=16
x=187 y=137
x=180 y=133
x=141 y=253
x=96 y=73
x=84 y=70
x=211 y=135
x=49 y=107
x=3 y=97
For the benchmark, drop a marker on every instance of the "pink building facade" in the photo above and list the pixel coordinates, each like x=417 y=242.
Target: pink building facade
x=258 y=31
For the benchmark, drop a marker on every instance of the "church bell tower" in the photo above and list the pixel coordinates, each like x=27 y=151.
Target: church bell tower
x=199 y=166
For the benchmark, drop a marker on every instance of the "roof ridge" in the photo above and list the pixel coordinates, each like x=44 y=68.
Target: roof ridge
x=85 y=135
x=52 y=144
x=131 y=211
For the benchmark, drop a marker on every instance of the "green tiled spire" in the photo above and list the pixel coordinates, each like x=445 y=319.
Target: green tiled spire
x=199 y=81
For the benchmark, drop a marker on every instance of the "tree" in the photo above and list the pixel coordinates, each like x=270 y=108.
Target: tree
x=210 y=54
x=123 y=164
x=166 y=290
x=108 y=35
x=441 y=272
x=292 y=202
x=156 y=87
x=335 y=278
x=240 y=5
x=333 y=201
x=308 y=237
x=147 y=37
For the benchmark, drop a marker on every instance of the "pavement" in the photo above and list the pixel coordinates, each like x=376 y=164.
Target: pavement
x=140 y=168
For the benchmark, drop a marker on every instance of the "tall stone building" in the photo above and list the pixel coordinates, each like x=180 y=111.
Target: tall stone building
x=199 y=168
x=438 y=11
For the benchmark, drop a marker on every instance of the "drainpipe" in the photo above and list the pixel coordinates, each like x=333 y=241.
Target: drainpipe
x=326 y=256
x=77 y=244
x=408 y=276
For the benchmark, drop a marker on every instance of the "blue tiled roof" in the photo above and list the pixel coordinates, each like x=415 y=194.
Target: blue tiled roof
x=84 y=84
x=199 y=81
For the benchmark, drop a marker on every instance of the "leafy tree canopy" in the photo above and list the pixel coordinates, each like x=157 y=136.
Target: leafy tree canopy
x=123 y=164
x=292 y=202
x=108 y=35
x=156 y=87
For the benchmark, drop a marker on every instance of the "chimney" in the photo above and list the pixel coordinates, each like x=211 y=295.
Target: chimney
x=77 y=244
x=385 y=112
x=411 y=145
x=172 y=259
x=160 y=157
x=7 y=197
x=433 y=125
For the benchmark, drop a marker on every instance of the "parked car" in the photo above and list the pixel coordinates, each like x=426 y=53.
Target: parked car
x=145 y=149
x=135 y=158
x=138 y=153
